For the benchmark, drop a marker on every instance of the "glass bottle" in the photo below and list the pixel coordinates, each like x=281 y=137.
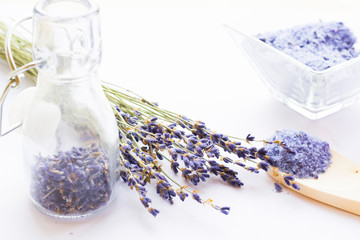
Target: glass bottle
x=70 y=134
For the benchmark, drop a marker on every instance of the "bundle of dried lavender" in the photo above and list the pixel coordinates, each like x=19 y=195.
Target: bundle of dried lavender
x=151 y=136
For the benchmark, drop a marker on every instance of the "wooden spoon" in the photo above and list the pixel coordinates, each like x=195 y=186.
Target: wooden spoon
x=339 y=186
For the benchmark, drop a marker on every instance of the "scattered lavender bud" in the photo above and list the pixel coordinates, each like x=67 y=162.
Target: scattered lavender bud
x=318 y=45
x=289 y=177
x=295 y=186
x=225 y=210
x=287 y=182
x=309 y=156
x=278 y=187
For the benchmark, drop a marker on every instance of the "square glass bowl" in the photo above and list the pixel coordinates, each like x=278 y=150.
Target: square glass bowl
x=314 y=94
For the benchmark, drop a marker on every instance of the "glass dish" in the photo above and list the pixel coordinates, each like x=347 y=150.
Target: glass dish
x=314 y=94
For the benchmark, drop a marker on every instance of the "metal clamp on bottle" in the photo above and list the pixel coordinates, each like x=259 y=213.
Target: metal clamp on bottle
x=13 y=77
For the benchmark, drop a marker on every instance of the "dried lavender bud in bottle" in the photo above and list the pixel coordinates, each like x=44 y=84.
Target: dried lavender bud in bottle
x=309 y=156
x=75 y=181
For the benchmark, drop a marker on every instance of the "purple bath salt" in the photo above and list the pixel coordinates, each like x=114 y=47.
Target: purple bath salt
x=304 y=156
x=319 y=45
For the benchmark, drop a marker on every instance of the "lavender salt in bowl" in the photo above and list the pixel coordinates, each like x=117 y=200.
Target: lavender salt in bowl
x=314 y=68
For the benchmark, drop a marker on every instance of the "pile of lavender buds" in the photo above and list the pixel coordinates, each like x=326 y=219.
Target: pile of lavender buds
x=154 y=141
x=320 y=45
x=71 y=182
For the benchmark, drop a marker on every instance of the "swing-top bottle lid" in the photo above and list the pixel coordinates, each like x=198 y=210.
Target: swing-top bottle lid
x=66 y=34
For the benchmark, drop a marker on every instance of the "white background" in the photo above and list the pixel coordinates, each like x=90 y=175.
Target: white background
x=178 y=54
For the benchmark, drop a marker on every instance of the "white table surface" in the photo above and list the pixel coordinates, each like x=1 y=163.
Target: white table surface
x=184 y=59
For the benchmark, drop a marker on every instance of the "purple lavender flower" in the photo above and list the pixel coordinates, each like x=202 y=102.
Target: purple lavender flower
x=196 y=197
x=182 y=195
x=264 y=166
x=145 y=201
x=153 y=211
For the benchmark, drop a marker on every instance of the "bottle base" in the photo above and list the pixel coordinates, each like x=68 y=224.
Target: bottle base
x=73 y=217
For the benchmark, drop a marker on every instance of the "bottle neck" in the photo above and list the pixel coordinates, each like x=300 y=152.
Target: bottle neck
x=66 y=66
x=45 y=79
x=70 y=44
